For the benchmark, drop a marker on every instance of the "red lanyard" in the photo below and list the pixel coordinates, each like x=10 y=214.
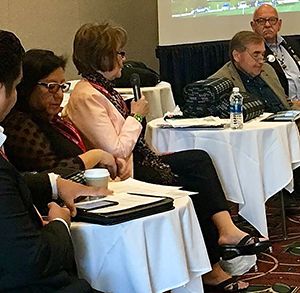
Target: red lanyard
x=69 y=131
x=115 y=95
x=3 y=154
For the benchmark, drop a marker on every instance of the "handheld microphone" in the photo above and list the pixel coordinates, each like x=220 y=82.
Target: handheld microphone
x=135 y=83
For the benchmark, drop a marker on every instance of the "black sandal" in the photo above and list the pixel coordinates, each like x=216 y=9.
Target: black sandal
x=230 y=251
x=228 y=286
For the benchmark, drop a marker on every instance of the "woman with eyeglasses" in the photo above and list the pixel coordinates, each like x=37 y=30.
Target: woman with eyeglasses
x=37 y=137
x=101 y=115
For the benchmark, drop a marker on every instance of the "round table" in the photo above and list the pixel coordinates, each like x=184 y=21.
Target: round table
x=253 y=164
x=159 y=97
x=150 y=254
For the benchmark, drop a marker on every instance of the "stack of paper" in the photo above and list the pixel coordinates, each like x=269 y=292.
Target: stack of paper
x=133 y=193
x=209 y=122
x=135 y=186
x=289 y=115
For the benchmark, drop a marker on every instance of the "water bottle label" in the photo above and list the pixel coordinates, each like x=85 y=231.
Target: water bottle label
x=236 y=108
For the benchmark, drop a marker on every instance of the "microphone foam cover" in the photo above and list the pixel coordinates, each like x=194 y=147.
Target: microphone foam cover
x=135 y=80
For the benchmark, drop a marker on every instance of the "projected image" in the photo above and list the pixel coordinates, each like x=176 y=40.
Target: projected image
x=200 y=8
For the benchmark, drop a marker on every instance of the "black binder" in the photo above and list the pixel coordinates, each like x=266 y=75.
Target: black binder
x=210 y=97
x=116 y=217
x=288 y=115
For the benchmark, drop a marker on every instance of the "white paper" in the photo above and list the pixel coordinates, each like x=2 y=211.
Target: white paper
x=209 y=121
x=136 y=186
x=145 y=193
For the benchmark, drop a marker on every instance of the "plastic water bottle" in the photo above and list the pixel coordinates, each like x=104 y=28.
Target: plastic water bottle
x=236 y=109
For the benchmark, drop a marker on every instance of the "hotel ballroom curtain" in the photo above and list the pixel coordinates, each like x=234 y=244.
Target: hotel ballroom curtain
x=183 y=64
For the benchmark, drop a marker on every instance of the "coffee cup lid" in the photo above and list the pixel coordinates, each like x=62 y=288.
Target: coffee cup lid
x=96 y=173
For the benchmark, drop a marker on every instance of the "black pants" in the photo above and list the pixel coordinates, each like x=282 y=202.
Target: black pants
x=196 y=172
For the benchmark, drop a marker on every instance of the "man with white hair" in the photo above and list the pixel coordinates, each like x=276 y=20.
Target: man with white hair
x=283 y=56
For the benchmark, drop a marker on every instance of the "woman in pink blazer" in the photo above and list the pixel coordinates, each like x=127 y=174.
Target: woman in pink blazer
x=100 y=114
x=100 y=123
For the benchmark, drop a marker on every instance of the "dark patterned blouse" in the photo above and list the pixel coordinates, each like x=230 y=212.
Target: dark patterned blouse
x=34 y=145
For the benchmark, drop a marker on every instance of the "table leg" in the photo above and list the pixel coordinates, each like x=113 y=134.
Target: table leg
x=283 y=216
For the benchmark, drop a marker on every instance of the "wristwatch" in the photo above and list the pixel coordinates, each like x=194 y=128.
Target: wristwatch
x=137 y=117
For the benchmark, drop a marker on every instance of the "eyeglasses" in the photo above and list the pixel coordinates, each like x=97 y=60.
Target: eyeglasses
x=257 y=56
x=263 y=21
x=53 y=87
x=122 y=53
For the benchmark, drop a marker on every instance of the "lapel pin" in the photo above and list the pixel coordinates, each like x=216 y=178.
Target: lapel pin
x=271 y=58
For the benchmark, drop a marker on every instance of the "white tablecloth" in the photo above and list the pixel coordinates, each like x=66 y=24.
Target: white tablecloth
x=253 y=164
x=159 y=97
x=150 y=254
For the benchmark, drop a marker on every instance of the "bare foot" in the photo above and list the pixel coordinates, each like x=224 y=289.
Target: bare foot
x=241 y=286
x=217 y=276
x=229 y=233
x=236 y=238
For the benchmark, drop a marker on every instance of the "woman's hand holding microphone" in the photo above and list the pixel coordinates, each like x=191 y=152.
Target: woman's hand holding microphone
x=140 y=107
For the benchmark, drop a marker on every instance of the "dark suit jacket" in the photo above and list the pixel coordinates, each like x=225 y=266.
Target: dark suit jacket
x=293 y=47
x=33 y=258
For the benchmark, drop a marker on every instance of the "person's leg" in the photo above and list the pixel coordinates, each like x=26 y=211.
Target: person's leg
x=210 y=235
x=196 y=172
x=209 y=230
x=229 y=233
x=217 y=276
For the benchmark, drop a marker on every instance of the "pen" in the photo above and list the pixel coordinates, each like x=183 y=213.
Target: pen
x=143 y=194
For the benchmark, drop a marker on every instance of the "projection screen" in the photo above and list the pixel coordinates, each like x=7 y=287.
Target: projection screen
x=192 y=21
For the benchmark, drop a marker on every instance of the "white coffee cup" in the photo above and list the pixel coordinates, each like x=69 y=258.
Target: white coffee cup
x=97 y=177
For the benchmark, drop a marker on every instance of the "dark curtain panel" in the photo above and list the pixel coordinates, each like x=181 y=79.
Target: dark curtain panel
x=184 y=64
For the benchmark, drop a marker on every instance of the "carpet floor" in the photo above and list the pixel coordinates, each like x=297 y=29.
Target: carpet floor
x=278 y=271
